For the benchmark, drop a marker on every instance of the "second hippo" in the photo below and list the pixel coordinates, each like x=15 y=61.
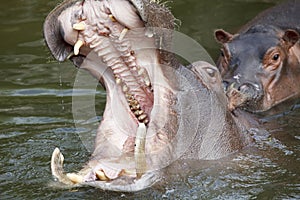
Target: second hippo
x=260 y=65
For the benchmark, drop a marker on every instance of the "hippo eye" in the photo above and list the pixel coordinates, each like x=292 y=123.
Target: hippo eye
x=210 y=72
x=276 y=57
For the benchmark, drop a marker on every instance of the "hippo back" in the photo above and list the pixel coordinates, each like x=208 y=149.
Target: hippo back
x=284 y=16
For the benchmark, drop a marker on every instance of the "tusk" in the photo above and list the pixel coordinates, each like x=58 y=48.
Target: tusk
x=77 y=47
x=79 y=26
x=123 y=33
x=75 y=178
x=139 y=150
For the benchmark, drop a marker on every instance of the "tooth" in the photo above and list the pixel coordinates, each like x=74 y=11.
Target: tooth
x=129 y=96
x=77 y=47
x=142 y=117
x=101 y=176
x=79 y=26
x=139 y=150
x=134 y=102
x=141 y=71
x=112 y=18
x=125 y=88
x=147 y=82
x=146 y=121
x=75 y=178
x=138 y=112
x=118 y=81
x=135 y=107
x=123 y=33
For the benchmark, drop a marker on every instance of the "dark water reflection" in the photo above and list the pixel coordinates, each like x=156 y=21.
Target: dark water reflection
x=36 y=116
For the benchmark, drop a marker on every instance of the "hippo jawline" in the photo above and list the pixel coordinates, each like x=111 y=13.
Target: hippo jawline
x=93 y=35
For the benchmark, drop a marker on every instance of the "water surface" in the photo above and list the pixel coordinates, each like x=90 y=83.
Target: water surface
x=36 y=116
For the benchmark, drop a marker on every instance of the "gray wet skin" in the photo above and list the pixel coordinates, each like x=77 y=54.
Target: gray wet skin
x=260 y=65
x=163 y=111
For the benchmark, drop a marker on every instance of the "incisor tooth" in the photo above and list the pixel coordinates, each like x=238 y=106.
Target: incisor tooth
x=79 y=26
x=75 y=178
x=77 y=47
x=101 y=176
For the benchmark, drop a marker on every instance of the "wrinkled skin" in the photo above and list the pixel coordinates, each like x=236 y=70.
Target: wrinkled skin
x=157 y=111
x=260 y=65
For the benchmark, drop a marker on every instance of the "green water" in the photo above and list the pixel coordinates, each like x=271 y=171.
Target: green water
x=36 y=116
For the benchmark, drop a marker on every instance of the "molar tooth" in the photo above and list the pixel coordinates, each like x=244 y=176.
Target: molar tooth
x=146 y=121
x=139 y=112
x=142 y=117
x=77 y=47
x=123 y=33
x=135 y=107
x=79 y=26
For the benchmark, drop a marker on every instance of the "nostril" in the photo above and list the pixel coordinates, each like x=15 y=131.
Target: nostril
x=244 y=88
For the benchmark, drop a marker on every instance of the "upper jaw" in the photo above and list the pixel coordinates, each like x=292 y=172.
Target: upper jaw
x=117 y=55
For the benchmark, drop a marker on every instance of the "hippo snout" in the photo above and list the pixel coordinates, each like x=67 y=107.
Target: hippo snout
x=244 y=95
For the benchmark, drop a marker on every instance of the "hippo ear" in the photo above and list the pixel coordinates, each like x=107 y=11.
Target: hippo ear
x=223 y=36
x=291 y=37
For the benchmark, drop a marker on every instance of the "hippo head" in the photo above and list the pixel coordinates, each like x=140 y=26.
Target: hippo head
x=156 y=110
x=259 y=66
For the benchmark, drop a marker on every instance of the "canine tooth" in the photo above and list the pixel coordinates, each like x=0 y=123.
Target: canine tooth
x=101 y=176
x=77 y=47
x=123 y=33
x=79 y=26
x=142 y=117
x=139 y=150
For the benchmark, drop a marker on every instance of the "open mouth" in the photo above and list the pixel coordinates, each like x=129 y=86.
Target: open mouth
x=110 y=40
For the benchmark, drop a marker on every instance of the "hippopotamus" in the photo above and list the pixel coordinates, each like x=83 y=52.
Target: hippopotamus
x=157 y=110
x=260 y=65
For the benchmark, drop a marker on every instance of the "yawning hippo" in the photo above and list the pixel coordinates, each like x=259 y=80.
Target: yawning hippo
x=156 y=111
x=260 y=65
